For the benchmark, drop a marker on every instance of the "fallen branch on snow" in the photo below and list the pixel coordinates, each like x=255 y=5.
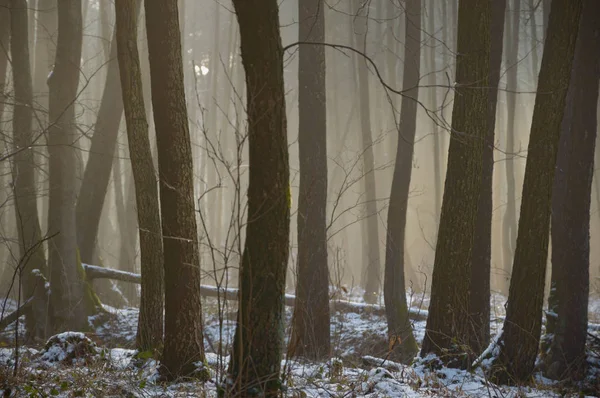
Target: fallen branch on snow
x=95 y=272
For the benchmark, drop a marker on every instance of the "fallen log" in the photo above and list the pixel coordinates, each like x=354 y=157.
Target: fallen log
x=13 y=316
x=95 y=272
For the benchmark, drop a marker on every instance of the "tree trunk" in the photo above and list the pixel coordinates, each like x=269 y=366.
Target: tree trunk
x=4 y=147
x=310 y=336
x=509 y=224
x=520 y=337
x=183 y=309
x=5 y=47
x=479 y=303
x=433 y=107
x=567 y=358
x=32 y=254
x=447 y=323
x=399 y=327
x=535 y=63
x=67 y=298
x=150 y=321
x=371 y=261
x=258 y=342
x=45 y=52
x=97 y=170
x=126 y=215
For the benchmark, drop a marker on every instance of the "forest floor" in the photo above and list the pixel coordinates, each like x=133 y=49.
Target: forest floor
x=103 y=363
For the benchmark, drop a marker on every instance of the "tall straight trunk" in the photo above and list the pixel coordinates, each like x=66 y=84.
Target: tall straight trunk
x=535 y=63
x=4 y=50
x=67 y=298
x=433 y=105
x=447 y=323
x=311 y=314
x=213 y=127
x=567 y=358
x=4 y=174
x=97 y=170
x=521 y=332
x=479 y=302
x=45 y=52
x=32 y=254
x=546 y=5
x=557 y=231
x=371 y=261
x=150 y=321
x=509 y=223
x=258 y=342
x=126 y=224
x=394 y=288
x=183 y=343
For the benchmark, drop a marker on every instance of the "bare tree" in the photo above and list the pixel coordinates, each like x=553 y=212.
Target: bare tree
x=520 y=337
x=26 y=211
x=183 y=343
x=67 y=298
x=447 y=322
x=150 y=323
x=258 y=342
x=97 y=169
x=371 y=260
x=399 y=326
x=479 y=303
x=311 y=313
x=509 y=224
x=571 y=221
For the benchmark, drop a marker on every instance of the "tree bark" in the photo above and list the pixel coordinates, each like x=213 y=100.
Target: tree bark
x=310 y=336
x=479 y=302
x=509 y=224
x=97 y=170
x=150 y=321
x=32 y=254
x=67 y=298
x=520 y=337
x=567 y=358
x=371 y=261
x=258 y=342
x=183 y=343
x=433 y=105
x=448 y=320
x=394 y=287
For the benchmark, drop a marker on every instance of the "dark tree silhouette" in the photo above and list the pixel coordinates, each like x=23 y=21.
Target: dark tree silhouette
x=258 y=342
x=67 y=299
x=394 y=287
x=520 y=337
x=150 y=322
x=571 y=219
x=479 y=303
x=311 y=313
x=448 y=319
x=183 y=342
x=28 y=225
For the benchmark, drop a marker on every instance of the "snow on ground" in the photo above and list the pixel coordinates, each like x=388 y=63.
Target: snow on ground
x=72 y=364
